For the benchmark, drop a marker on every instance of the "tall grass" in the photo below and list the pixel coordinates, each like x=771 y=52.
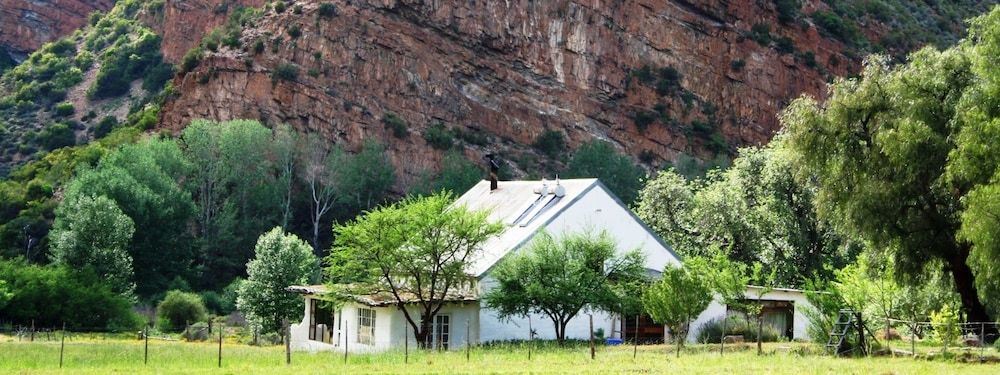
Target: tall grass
x=89 y=356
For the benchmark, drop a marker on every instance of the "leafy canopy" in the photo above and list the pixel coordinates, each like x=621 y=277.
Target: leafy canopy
x=282 y=260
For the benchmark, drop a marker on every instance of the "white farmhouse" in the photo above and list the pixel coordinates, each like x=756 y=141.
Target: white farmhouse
x=373 y=323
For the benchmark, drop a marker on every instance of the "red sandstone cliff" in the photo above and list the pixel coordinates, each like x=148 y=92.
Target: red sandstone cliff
x=25 y=25
x=510 y=70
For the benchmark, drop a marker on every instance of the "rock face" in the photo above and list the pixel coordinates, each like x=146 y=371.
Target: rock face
x=512 y=70
x=27 y=24
x=183 y=23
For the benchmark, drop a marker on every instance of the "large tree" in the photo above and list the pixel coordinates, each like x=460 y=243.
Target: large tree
x=281 y=260
x=418 y=251
x=322 y=173
x=94 y=232
x=755 y=211
x=560 y=277
x=143 y=181
x=598 y=159
x=902 y=159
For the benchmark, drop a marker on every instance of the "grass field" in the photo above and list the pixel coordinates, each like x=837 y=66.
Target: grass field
x=98 y=356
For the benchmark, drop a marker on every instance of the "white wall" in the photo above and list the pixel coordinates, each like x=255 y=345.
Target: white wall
x=800 y=323
x=594 y=211
x=390 y=325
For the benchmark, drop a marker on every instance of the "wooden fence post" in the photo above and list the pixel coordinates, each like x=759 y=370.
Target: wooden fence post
x=32 y=330
x=468 y=340
x=406 y=342
x=221 y=329
x=62 y=345
x=913 y=338
x=345 y=340
x=591 y=336
x=288 y=341
x=531 y=337
x=145 y=353
x=635 y=345
x=982 y=341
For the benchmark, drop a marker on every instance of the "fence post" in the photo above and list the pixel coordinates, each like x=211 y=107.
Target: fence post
x=635 y=345
x=145 y=354
x=531 y=337
x=346 y=340
x=468 y=340
x=913 y=338
x=62 y=344
x=288 y=341
x=591 y=336
x=982 y=341
x=406 y=342
x=221 y=329
x=32 y=330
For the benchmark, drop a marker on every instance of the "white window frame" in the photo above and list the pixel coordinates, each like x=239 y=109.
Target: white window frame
x=441 y=327
x=366 y=326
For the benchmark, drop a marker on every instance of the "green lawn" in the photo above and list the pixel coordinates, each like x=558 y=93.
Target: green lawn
x=97 y=356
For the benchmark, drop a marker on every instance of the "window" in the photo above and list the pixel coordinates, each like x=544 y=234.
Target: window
x=320 y=321
x=442 y=331
x=366 y=326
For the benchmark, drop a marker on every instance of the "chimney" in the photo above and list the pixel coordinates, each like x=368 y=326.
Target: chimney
x=494 y=165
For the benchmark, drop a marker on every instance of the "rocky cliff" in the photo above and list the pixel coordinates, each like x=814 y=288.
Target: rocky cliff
x=183 y=23
x=27 y=24
x=655 y=77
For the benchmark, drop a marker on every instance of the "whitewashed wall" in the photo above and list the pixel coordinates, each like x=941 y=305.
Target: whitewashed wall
x=594 y=211
x=800 y=323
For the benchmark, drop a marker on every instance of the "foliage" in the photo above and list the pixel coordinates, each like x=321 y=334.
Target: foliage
x=5 y=293
x=561 y=276
x=458 y=174
x=756 y=211
x=599 y=159
x=57 y=135
x=178 y=309
x=281 y=260
x=64 y=109
x=946 y=326
x=439 y=136
x=838 y=27
x=327 y=10
x=734 y=325
x=285 y=72
x=677 y=299
x=94 y=232
x=420 y=247
x=143 y=181
x=761 y=33
x=788 y=10
x=369 y=175
x=550 y=142
x=886 y=150
x=105 y=126
x=52 y=295
x=396 y=124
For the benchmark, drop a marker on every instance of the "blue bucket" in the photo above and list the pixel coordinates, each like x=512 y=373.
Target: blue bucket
x=613 y=341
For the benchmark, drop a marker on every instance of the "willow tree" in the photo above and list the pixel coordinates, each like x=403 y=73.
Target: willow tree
x=417 y=251
x=906 y=159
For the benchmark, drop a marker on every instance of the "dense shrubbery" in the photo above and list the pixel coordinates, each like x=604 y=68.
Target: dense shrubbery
x=550 y=142
x=439 y=136
x=50 y=296
x=285 y=72
x=56 y=135
x=736 y=325
x=327 y=10
x=178 y=309
x=397 y=125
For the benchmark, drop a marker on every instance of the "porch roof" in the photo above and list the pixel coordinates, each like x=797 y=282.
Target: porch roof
x=380 y=298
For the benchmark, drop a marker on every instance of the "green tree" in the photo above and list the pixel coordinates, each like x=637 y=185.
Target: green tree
x=879 y=149
x=232 y=182
x=756 y=211
x=728 y=280
x=560 y=277
x=458 y=174
x=598 y=159
x=282 y=260
x=94 y=232
x=766 y=282
x=677 y=299
x=178 y=309
x=143 y=181
x=5 y=294
x=367 y=177
x=417 y=251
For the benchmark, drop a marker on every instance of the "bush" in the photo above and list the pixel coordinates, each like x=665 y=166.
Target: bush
x=105 y=126
x=396 y=124
x=550 y=142
x=196 y=332
x=643 y=119
x=738 y=64
x=670 y=81
x=191 y=59
x=784 y=44
x=761 y=33
x=56 y=135
x=788 y=10
x=285 y=72
x=178 y=309
x=295 y=31
x=736 y=325
x=327 y=10
x=64 y=109
x=836 y=26
x=51 y=296
x=280 y=6
x=438 y=136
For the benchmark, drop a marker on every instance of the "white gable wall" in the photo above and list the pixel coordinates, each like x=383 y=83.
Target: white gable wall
x=595 y=210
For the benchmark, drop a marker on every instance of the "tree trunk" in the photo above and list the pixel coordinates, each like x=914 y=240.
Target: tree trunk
x=423 y=335
x=722 y=339
x=760 y=329
x=965 y=285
